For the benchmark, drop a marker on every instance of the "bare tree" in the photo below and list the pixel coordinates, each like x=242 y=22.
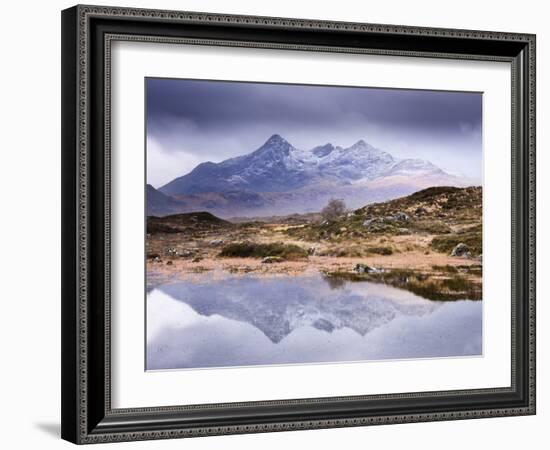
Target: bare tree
x=335 y=208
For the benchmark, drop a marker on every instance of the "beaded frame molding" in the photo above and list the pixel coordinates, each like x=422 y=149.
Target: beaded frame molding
x=87 y=35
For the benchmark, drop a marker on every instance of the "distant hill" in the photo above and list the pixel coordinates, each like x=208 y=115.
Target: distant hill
x=279 y=179
x=159 y=204
x=196 y=221
x=443 y=201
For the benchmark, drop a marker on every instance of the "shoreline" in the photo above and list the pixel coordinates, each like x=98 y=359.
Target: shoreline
x=435 y=276
x=236 y=265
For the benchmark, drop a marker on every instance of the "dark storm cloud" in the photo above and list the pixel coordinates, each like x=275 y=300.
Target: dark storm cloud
x=191 y=121
x=219 y=105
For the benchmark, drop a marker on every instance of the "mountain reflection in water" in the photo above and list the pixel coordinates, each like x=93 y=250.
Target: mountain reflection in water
x=249 y=320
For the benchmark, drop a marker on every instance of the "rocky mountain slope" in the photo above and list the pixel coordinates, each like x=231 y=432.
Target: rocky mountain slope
x=450 y=215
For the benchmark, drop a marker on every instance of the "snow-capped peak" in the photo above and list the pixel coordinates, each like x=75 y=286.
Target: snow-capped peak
x=276 y=139
x=359 y=144
x=275 y=145
x=413 y=166
x=278 y=166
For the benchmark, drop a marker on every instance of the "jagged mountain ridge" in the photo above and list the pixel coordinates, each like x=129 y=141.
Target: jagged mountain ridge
x=278 y=166
x=279 y=178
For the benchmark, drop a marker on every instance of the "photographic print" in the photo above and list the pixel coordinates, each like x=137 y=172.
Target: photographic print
x=299 y=224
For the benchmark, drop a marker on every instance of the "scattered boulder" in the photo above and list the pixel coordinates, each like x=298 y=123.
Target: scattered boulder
x=368 y=222
x=401 y=217
x=216 y=242
x=461 y=250
x=396 y=217
x=196 y=259
x=272 y=259
x=169 y=263
x=311 y=251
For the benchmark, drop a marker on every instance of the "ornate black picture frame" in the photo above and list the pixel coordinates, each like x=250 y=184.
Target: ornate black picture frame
x=87 y=34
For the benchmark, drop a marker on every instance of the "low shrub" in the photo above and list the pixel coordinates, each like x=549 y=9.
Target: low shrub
x=447 y=268
x=456 y=283
x=382 y=250
x=433 y=226
x=255 y=250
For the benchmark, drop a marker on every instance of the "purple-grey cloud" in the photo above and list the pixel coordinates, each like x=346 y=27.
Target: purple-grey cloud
x=212 y=120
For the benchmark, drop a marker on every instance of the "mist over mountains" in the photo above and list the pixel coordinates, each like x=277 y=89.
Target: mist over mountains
x=280 y=179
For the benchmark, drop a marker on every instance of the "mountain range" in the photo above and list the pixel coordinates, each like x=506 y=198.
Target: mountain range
x=279 y=178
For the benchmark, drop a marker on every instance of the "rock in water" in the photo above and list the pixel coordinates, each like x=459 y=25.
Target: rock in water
x=363 y=268
x=461 y=250
x=272 y=259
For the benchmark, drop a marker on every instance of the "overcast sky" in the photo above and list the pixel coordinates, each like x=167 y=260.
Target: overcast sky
x=192 y=121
